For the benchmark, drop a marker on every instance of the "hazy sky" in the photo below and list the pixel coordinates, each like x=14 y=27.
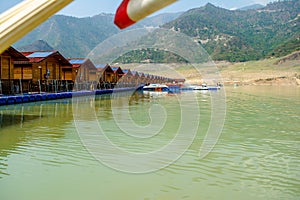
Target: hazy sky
x=83 y=8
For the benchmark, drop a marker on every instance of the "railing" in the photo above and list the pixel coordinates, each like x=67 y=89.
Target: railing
x=14 y=87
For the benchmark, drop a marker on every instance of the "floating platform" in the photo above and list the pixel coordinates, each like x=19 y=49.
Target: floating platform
x=26 y=98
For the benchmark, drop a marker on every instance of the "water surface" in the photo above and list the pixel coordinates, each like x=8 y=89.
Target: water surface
x=256 y=157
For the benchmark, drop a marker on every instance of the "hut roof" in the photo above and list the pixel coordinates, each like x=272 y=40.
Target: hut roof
x=117 y=70
x=151 y=76
x=178 y=80
x=141 y=74
x=101 y=66
x=147 y=75
x=127 y=72
x=39 y=56
x=16 y=55
x=106 y=68
x=135 y=73
x=78 y=62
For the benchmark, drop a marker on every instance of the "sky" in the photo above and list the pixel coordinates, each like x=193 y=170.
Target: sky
x=85 y=8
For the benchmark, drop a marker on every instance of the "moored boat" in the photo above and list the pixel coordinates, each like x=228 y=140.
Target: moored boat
x=206 y=87
x=156 y=88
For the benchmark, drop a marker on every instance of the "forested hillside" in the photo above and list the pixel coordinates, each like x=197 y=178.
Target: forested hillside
x=76 y=37
x=250 y=33
x=243 y=35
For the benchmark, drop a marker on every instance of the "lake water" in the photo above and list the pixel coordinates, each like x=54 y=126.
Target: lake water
x=256 y=157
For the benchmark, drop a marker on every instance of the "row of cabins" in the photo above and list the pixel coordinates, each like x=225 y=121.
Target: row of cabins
x=27 y=72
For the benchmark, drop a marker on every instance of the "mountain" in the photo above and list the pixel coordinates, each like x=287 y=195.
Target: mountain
x=252 y=7
x=148 y=55
x=76 y=37
x=73 y=37
x=157 y=20
x=232 y=35
x=39 y=45
x=238 y=35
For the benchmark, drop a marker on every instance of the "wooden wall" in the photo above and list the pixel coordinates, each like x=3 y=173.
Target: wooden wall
x=67 y=74
x=48 y=65
x=23 y=72
x=87 y=72
x=106 y=75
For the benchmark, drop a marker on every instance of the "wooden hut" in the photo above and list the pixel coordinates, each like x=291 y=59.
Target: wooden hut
x=105 y=76
x=157 y=79
x=83 y=70
x=46 y=65
x=151 y=78
x=44 y=70
x=147 y=78
x=141 y=78
x=127 y=73
x=118 y=73
x=178 y=81
x=7 y=69
x=128 y=78
x=136 y=78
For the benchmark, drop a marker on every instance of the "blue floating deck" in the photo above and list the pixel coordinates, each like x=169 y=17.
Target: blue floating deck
x=44 y=97
x=38 y=97
x=19 y=99
x=3 y=100
x=11 y=100
x=32 y=97
x=213 y=88
x=68 y=94
x=50 y=96
x=26 y=98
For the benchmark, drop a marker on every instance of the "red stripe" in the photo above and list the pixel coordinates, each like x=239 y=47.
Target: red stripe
x=122 y=20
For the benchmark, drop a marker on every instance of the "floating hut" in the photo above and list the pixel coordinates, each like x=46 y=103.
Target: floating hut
x=141 y=78
x=118 y=73
x=105 y=76
x=136 y=78
x=8 y=72
x=128 y=78
x=83 y=70
x=46 y=65
x=49 y=71
x=44 y=70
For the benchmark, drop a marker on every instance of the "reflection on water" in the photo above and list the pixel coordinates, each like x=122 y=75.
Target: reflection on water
x=257 y=156
x=13 y=119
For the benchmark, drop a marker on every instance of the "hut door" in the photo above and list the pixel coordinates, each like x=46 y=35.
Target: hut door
x=6 y=68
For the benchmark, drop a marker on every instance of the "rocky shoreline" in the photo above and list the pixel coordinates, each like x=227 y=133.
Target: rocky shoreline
x=274 y=71
x=261 y=78
x=285 y=71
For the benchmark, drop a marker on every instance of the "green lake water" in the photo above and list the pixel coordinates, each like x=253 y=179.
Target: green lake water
x=256 y=157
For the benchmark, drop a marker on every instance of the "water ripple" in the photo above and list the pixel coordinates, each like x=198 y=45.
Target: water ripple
x=257 y=156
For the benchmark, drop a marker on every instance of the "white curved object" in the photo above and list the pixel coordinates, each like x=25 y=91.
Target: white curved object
x=24 y=17
x=131 y=11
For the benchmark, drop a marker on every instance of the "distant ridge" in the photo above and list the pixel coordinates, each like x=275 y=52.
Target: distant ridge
x=243 y=35
x=231 y=35
x=39 y=45
x=76 y=37
x=252 y=7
